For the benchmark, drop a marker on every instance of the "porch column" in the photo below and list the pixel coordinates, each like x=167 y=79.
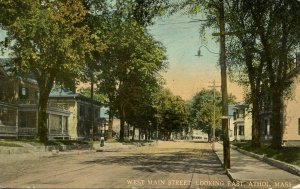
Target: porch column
x=49 y=124
x=238 y=132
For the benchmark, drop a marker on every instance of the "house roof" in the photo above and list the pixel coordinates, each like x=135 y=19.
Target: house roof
x=58 y=92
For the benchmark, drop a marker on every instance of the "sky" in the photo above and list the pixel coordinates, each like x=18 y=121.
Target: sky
x=188 y=73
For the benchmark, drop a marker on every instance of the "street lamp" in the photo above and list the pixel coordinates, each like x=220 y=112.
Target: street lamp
x=199 y=51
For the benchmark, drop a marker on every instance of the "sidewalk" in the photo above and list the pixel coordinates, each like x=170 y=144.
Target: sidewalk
x=245 y=168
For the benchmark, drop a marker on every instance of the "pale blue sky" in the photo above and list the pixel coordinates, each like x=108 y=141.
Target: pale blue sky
x=187 y=73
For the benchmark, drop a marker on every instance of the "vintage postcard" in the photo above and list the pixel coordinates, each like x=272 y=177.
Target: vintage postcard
x=150 y=94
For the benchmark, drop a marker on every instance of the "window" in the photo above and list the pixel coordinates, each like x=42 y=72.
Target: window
x=235 y=130
x=241 y=130
x=23 y=92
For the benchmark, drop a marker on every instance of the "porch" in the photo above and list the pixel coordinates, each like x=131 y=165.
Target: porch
x=8 y=120
x=21 y=121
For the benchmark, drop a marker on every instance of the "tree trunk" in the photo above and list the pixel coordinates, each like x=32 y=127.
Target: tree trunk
x=122 y=123
x=133 y=133
x=276 y=121
x=139 y=134
x=122 y=129
x=110 y=125
x=45 y=86
x=42 y=119
x=255 y=121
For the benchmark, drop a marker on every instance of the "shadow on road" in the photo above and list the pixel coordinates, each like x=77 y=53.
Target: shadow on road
x=183 y=161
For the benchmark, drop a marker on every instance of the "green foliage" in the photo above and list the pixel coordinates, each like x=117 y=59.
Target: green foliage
x=97 y=96
x=143 y=12
x=171 y=113
x=130 y=67
x=201 y=110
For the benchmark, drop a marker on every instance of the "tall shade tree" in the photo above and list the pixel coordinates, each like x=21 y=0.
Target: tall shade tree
x=244 y=62
x=44 y=37
x=268 y=36
x=278 y=25
x=131 y=64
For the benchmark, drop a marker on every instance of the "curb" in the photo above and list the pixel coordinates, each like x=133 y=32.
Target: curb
x=37 y=149
x=276 y=163
x=227 y=172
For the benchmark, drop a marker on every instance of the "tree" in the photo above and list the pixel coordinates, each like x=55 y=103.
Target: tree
x=172 y=113
x=44 y=38
x=200 y=110
x=132 y=63
x=268 y=35
x=245 y=65
x=278 y=25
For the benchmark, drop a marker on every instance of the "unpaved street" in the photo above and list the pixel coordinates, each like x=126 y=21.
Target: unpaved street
x=166 y=165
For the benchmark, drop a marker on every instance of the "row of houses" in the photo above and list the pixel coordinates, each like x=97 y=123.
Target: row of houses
x=240 y=122
x=70 y=115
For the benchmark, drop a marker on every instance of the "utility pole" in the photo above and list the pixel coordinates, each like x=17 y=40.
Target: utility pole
x=222 y=33
x=226 y=145
x=214 y=114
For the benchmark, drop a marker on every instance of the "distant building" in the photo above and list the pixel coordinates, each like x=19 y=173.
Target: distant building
x=198 y=135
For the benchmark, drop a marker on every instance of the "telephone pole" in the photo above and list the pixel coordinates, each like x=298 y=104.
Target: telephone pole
x=226 y=145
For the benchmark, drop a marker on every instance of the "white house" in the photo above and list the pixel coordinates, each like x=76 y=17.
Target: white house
x=242 y=122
